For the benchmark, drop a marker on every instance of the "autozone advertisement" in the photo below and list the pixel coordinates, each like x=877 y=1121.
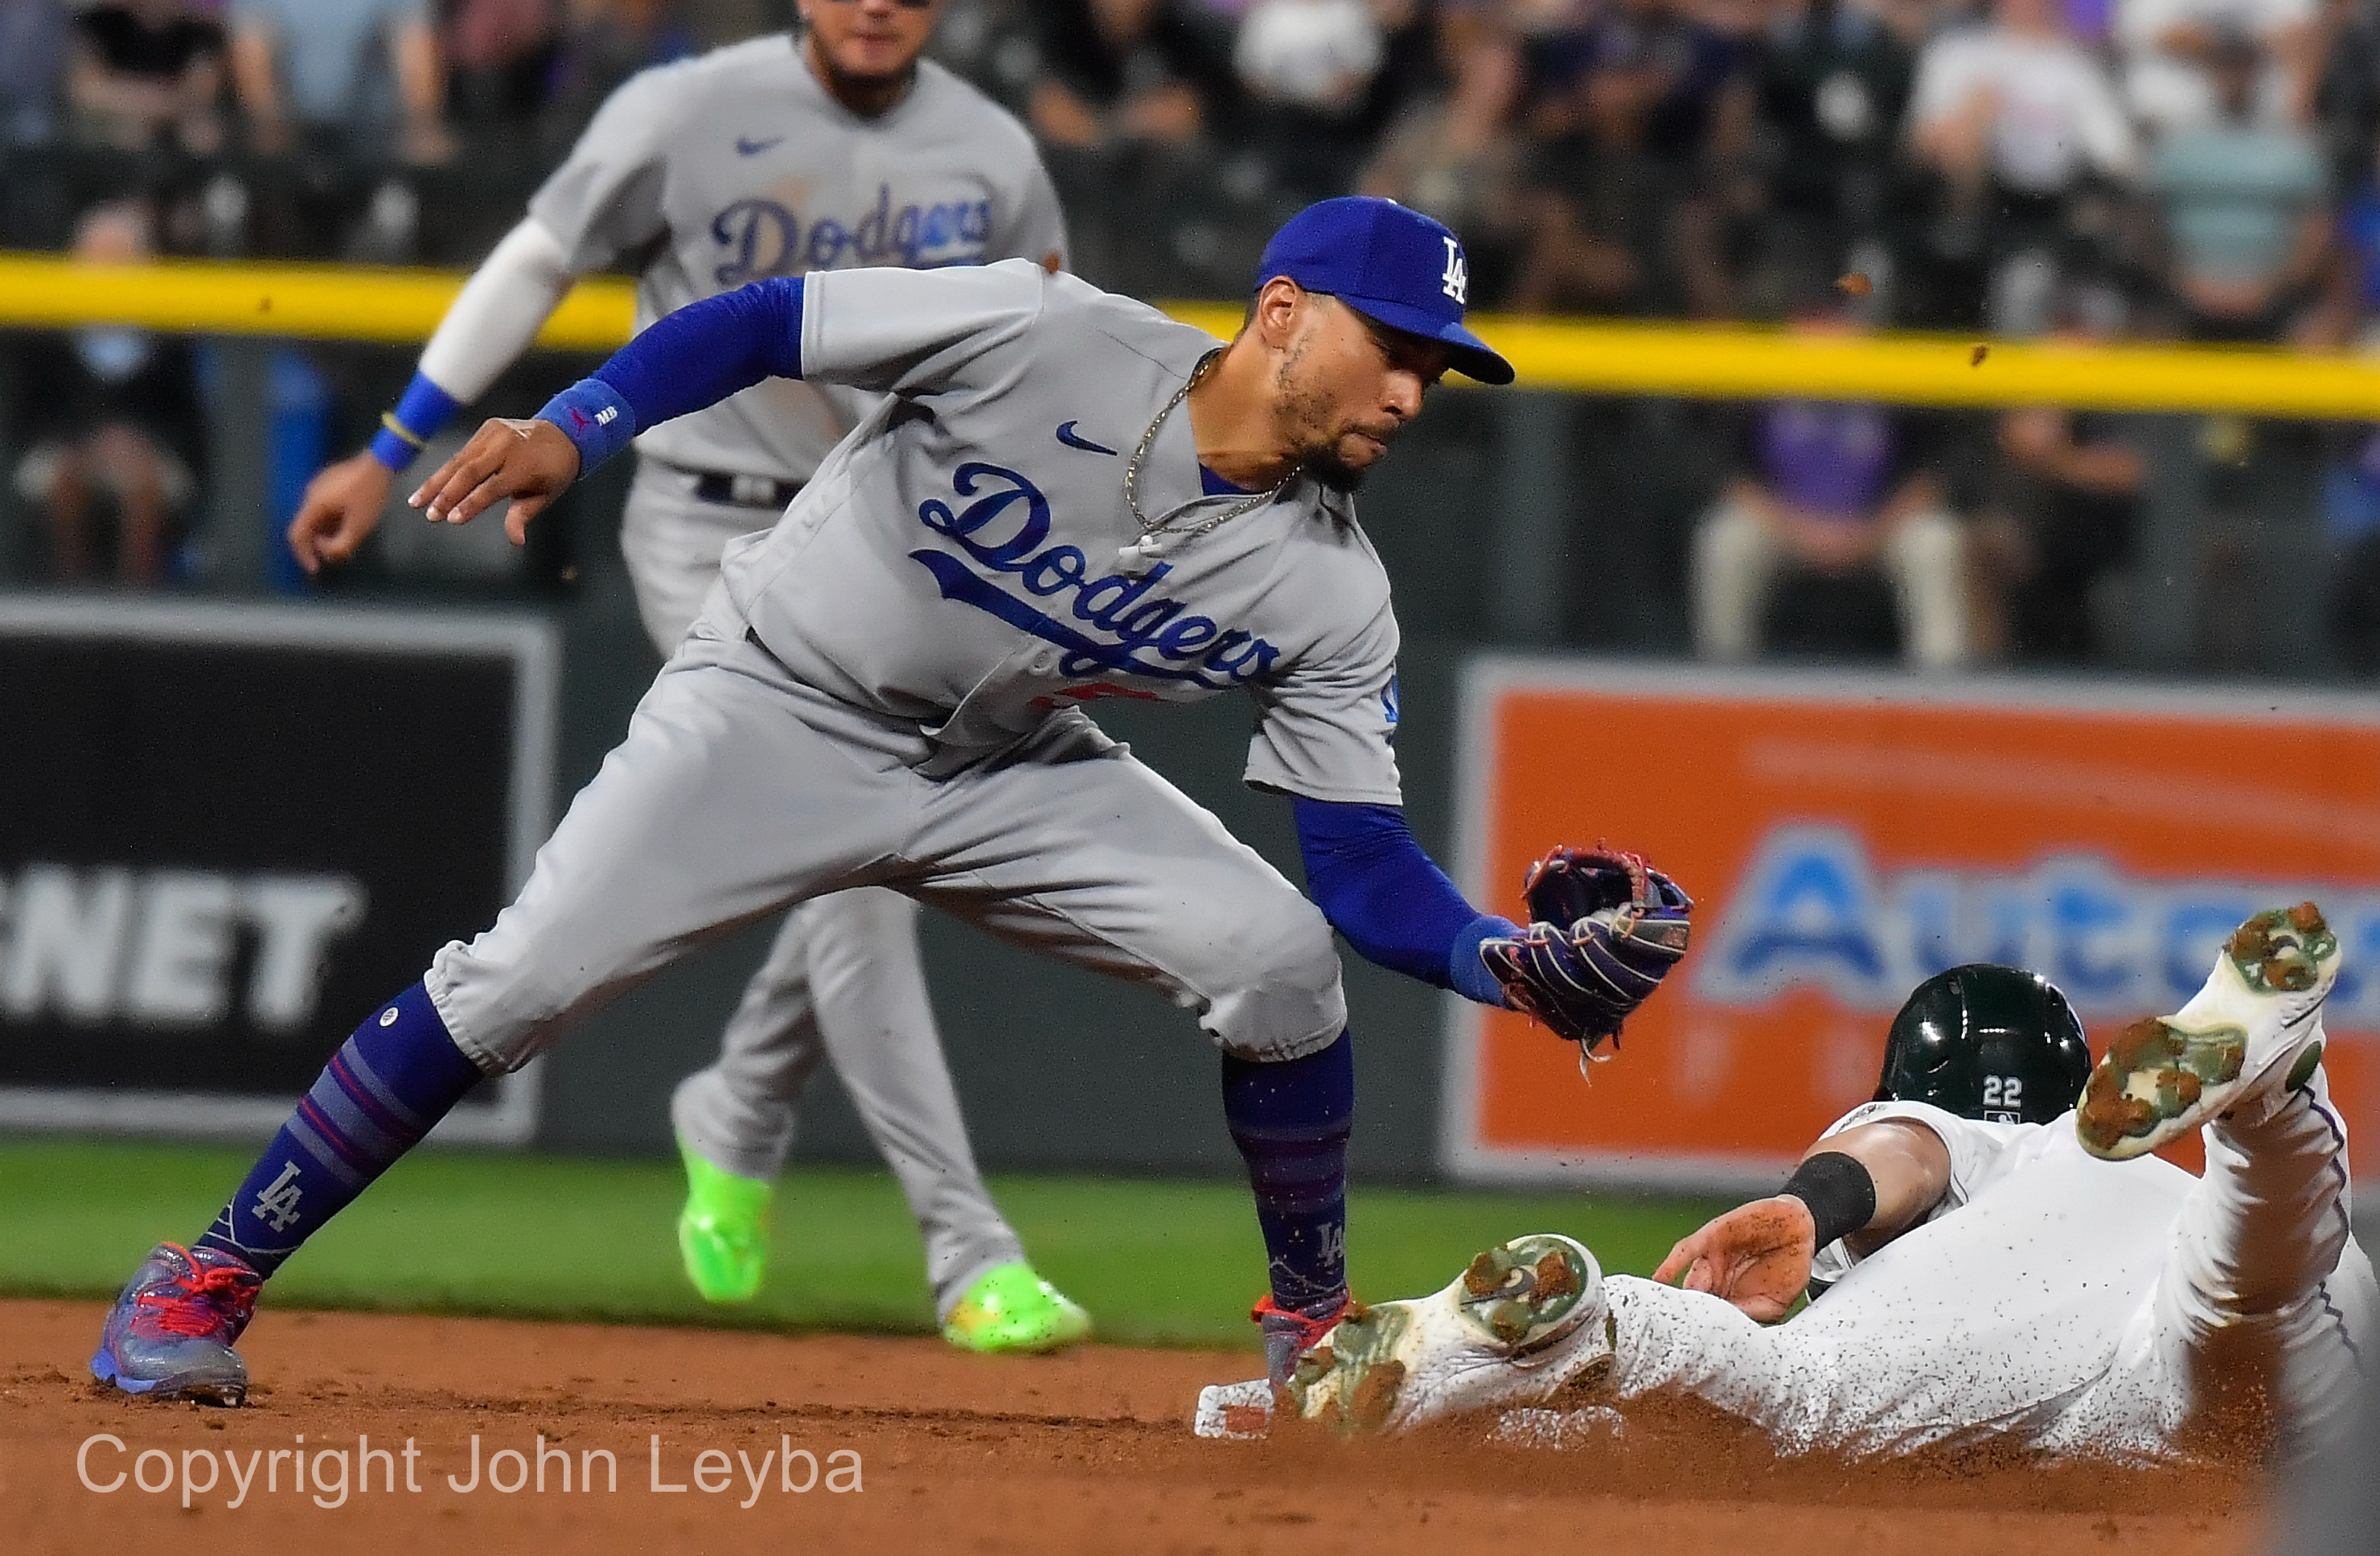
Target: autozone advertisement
x=1846 y=836
x=226 y=831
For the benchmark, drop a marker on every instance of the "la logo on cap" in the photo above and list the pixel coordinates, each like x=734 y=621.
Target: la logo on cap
x=1456 y=282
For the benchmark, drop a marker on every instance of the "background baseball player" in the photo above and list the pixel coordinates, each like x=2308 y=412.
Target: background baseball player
x=2048 y=1282
x=832 y=148
x=1067 y=495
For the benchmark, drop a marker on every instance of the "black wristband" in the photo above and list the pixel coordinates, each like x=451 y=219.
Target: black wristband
x=1839 y=1192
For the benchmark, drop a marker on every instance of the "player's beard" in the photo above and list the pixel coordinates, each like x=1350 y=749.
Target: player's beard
x=1323 y=462
x=1314 y=440
x=850 y=88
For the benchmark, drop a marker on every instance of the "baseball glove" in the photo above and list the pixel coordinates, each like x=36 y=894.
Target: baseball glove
x=1605 y=929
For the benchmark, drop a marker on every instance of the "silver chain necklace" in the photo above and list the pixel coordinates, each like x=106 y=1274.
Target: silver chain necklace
x=1150 y=528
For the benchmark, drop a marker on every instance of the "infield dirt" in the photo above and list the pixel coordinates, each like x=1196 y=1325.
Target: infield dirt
x=934 y=1451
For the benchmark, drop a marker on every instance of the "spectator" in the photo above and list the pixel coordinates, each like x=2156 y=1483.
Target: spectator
x=1835 y=490
x=341 y=72
x=2016 y=122
x=2351 y=522
x=2243 y=210
x=1319 y=55
x=2347 y=319
x=603 y=43
x=113 y=429
x=2344 y=319
x=500 y=55
x=2064 y=521
x=34 y=52
x=1455 y=155
x=1656 y=66
x=146 y=70
x=1624 y=115
x=1120 y=71
x=2017 y=103
x=990 y=44
x=2168 y=51
x=1313 y=70
x=1831 y=83
x=2345 y=109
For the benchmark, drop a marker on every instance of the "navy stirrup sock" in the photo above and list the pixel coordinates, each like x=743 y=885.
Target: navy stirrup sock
x=1290 y=1121
x=381 y=1093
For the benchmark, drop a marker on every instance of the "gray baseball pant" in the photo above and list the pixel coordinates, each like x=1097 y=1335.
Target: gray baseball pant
x=844 y=982
x=739 y=791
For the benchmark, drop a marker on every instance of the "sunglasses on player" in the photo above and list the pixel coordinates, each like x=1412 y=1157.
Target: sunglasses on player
x=905 y=4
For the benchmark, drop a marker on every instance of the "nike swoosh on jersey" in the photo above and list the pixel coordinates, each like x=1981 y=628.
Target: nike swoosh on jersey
x=748 y=147
x=1067 y=435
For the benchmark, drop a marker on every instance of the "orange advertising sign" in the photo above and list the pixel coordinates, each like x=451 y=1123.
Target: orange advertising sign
x=1845 y=836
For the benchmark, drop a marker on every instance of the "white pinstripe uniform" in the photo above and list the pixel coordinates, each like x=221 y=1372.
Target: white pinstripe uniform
x=2076 y=1303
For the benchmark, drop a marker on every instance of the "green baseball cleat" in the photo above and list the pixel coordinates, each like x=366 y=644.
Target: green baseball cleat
x=723 y=1234
x=1525 y=1324
x=2255 y=1027
x=1011 y=1311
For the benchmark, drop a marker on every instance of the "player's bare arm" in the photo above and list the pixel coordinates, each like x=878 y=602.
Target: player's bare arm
x=341 y=508
x=530 y=463
x=1910 y=1167
x=1758 y=1255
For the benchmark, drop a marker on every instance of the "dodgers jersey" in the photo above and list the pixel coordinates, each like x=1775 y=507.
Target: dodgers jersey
x=965 y=560
x=739 y=164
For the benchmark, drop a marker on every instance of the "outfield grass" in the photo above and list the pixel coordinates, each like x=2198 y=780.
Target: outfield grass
x=1155 y=1261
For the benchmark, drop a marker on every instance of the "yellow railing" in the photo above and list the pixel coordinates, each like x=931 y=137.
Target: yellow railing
x=312 y=302
x=399 y=306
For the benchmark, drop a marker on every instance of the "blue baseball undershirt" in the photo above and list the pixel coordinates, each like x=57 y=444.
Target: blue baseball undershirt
x=1372 y=880
x=684 y=360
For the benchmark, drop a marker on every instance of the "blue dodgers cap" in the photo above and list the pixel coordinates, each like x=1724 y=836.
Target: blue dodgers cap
x=1390 y=264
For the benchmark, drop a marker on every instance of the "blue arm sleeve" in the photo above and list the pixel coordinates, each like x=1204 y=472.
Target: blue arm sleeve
x=694 y=357
x=1396 y=908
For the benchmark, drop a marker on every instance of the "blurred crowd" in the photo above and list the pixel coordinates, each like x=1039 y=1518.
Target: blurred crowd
x=305 y=128
x=2198 y=170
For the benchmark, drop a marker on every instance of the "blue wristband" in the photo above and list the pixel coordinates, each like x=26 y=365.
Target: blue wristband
x=592 y=415
x=1464 y=970
x=418 y=416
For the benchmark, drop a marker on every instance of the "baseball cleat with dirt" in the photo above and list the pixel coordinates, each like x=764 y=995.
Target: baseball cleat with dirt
x=1009 y=1311
x=1527 y=1320
x=170 y=1333
x=2254 y=1022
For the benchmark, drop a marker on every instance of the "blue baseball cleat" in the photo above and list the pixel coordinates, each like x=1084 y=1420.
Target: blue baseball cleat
x=170 y=1333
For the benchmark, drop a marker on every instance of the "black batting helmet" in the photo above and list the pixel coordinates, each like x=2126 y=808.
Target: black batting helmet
x=1987 y=1043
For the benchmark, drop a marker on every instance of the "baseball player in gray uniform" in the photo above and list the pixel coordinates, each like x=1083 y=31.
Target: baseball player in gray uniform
x=1065 y=496
x=2049 y=1284
x=833 y=149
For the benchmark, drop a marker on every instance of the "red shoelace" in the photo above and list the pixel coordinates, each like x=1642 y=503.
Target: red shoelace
x=1313 y=1329
x=203 y=1304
